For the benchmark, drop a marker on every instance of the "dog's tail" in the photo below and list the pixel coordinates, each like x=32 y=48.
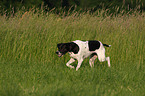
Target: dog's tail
x=106 y=45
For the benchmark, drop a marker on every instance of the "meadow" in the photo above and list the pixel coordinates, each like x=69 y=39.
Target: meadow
x=30 y=67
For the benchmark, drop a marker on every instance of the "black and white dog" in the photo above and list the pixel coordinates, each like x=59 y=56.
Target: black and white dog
x=80 y=50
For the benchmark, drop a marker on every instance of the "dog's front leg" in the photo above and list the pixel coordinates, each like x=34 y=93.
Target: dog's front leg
x=79 y=64
x=69 y=62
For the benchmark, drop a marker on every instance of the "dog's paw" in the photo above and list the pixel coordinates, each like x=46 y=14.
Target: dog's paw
x=77 y=69
x=72 y=67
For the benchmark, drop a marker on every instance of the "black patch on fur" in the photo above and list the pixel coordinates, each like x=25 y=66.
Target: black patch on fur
x=93 y=45
x=73 y=47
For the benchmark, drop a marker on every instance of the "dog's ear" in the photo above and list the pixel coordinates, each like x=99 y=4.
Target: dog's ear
x=58 y=45
x=73 y=47
x=70 y=48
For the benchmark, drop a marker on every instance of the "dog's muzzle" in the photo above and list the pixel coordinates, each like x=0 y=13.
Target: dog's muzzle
x=59 y=54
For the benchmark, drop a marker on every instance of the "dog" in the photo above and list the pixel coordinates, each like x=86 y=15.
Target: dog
x=79 y=50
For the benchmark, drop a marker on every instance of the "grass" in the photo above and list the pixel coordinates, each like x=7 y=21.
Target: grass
x=30 y=67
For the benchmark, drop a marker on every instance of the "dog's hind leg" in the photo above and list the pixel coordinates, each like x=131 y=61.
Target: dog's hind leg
x=102 y=58
x=92 y=59
x=108 y=60
x=69 y=62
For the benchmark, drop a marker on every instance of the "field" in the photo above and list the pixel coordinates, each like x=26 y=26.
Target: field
x=30 y=67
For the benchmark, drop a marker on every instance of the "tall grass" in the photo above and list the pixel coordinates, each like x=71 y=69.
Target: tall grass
x=29 y=65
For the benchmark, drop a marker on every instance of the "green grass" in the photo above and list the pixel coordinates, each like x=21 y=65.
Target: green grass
x=30 y=67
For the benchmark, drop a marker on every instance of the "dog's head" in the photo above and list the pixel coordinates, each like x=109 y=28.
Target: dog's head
x=62 y=49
